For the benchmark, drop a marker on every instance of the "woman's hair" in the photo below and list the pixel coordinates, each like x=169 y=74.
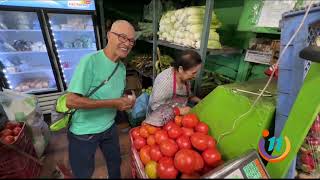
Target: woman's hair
x=187 y=59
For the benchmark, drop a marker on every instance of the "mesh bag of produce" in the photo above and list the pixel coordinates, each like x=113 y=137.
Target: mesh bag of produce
x=309 y=153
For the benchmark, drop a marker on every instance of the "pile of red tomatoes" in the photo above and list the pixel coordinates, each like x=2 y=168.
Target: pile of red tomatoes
x=10 y=132
x=182 y=148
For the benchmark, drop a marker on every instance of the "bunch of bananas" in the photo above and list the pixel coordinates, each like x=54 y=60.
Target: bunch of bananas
x=142 y=63
x=148 y=90
x=163 y=63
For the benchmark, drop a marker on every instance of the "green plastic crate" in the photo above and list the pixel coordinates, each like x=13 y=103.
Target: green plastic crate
x=223 y=105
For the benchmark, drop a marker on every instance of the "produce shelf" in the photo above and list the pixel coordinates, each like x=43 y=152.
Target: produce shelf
x=74 y=49
x=40 y=90
x=20 y=30
x=22 y=52
x=66 y=31
x=28 y=72
x=224 y=50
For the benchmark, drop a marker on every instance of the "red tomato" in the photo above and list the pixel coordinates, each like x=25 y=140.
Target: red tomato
x=184 y=161
x=16 y=130
x=168 y=125
x=174 y=132
x=166 y=169
x=145 y=154
x=211 y=142
x=189 y=120
x=8 y=139
x=151 y=129
x=160 y=136
x=155 y=153
x=178 y=120
x=6 y=132
x=198 y=163
x=11 y=125
x=139 y=142
x=199 y=141
x=144 y=132
x=184 y=142
x=169 y=147
x=211 y=157
x=151 y=140
x=187 y=131
x=135 y=133
x=202 y=128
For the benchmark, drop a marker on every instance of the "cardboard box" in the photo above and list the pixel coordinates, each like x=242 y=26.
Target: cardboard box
x=133 y=82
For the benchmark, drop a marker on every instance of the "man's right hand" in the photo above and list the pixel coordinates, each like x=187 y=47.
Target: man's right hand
x=124 y=103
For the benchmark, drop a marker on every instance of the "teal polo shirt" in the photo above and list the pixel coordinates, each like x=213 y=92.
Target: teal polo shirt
x=89 y=73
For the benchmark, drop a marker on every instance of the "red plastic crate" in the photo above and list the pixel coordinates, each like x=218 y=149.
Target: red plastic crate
x=14 y=164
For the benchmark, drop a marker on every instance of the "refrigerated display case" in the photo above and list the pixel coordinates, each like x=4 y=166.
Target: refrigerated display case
x=41 y=42
x=73 y=37
x=23 y=54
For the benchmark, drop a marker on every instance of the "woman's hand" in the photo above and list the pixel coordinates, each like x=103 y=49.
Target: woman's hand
x=195 y=99
x=184 y=110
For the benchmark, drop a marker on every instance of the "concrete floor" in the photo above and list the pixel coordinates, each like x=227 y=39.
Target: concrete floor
x=57 y=152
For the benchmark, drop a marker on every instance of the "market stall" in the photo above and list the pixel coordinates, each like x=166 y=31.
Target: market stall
x=259 y=90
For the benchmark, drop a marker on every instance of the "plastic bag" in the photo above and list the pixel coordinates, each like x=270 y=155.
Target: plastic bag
x=139 y=109
x=25 y=108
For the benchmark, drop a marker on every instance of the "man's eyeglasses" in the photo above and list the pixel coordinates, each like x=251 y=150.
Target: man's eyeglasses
x=123 y=38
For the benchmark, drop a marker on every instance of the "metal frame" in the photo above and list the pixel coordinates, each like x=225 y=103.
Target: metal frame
x=204 y=42
x=203 y=45
x=102 y=22
x=203 y=51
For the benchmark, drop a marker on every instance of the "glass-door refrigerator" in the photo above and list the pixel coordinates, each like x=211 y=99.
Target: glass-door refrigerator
x=25 y=62
x=73 y=37
x=41 y=42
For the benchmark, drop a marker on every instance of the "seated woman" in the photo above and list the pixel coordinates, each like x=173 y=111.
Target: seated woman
x=172 y=90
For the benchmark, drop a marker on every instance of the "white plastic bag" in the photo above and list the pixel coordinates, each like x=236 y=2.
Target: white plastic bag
x=25 y=108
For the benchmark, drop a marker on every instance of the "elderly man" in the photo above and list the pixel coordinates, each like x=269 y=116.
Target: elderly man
x=93 y=124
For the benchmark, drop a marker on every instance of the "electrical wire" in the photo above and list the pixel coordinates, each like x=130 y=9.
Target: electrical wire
x=271 y=76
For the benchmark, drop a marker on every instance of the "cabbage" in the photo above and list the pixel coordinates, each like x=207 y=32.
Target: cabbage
x=184 y=27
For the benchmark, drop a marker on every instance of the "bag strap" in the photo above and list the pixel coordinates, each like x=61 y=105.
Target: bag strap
x=100 y=85
x=104 y=81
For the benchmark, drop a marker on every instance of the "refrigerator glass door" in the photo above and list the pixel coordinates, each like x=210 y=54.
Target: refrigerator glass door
x=23 y=53
x=74 y=37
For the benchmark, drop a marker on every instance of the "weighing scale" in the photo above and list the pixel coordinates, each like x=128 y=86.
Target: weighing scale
x=248 y=166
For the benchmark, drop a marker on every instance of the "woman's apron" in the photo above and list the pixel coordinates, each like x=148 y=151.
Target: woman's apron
x=164 y=112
